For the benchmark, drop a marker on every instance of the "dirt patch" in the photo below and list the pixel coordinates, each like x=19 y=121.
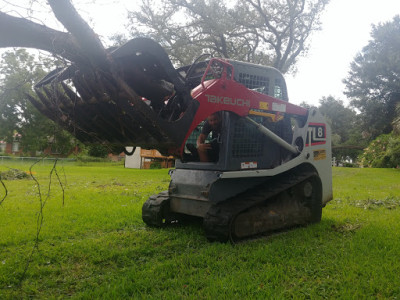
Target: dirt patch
x=346 y=228
x=389 y=203
x=103 y=186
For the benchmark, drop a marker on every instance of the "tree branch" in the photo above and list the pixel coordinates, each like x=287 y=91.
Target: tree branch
x=19 y=32
x=82 y=32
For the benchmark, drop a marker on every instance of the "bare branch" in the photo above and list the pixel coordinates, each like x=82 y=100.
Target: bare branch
x=6 y=191
x=40 y=216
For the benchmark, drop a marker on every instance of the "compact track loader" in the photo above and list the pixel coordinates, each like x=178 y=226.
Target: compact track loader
x=273 y=168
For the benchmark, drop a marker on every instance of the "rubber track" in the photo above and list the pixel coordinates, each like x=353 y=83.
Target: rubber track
x=154 y=210
x=218 y=220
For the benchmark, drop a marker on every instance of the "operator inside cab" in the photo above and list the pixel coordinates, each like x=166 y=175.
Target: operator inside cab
x=209 y=152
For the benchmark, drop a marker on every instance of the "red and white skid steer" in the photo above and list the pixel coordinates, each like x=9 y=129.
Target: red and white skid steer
x=273 y=166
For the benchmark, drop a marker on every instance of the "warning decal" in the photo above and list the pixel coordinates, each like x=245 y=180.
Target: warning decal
x=319 y=154
x=248 y=165
x=264 y=105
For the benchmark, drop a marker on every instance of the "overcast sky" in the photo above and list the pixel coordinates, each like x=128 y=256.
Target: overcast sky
x=346 y=30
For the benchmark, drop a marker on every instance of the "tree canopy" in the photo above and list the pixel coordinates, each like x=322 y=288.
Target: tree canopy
x=272 y=32
x=383 y=152
x=20 y=72
x=340 y=118
x=373 y=83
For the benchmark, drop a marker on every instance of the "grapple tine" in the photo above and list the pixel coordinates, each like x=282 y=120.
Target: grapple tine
x=46 y=101
x=66 y=105
x=51 y=97
x=83 y=92
x=75 y=99
x=39 y=106
x=111 y=104
x=63 y=120
x=83 y=81
x=68 y=117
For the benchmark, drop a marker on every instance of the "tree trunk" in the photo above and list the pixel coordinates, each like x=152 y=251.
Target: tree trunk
x=80 y=44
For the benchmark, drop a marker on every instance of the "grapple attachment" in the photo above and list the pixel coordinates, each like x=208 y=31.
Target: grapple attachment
x=135 y=98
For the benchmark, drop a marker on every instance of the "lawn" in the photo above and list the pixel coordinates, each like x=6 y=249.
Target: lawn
x=95 y=245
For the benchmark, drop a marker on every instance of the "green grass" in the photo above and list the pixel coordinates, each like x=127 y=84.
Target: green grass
x=96 y=245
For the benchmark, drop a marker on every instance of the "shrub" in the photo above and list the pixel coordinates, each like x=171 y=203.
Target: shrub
x=350 y=165
x=155 y=165
x=98 y=151
x=13 y=174
x=383 y=152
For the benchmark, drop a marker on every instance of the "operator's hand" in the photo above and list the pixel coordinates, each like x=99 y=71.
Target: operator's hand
x=204 y=147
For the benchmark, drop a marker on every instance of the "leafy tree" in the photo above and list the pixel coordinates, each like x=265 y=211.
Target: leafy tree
x=396 y=121
x=373 y=83
x=98 y=151
x=345 y=124
x=340 y=118
x=383 y=152
x=305 y=105
x=20 y=72
x=273 y=32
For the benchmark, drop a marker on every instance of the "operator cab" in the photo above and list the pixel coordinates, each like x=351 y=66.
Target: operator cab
x=240 y=144
x=263 y=79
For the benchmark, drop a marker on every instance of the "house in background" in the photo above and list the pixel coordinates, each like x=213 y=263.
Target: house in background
x=145 y=159
x=11 y=148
